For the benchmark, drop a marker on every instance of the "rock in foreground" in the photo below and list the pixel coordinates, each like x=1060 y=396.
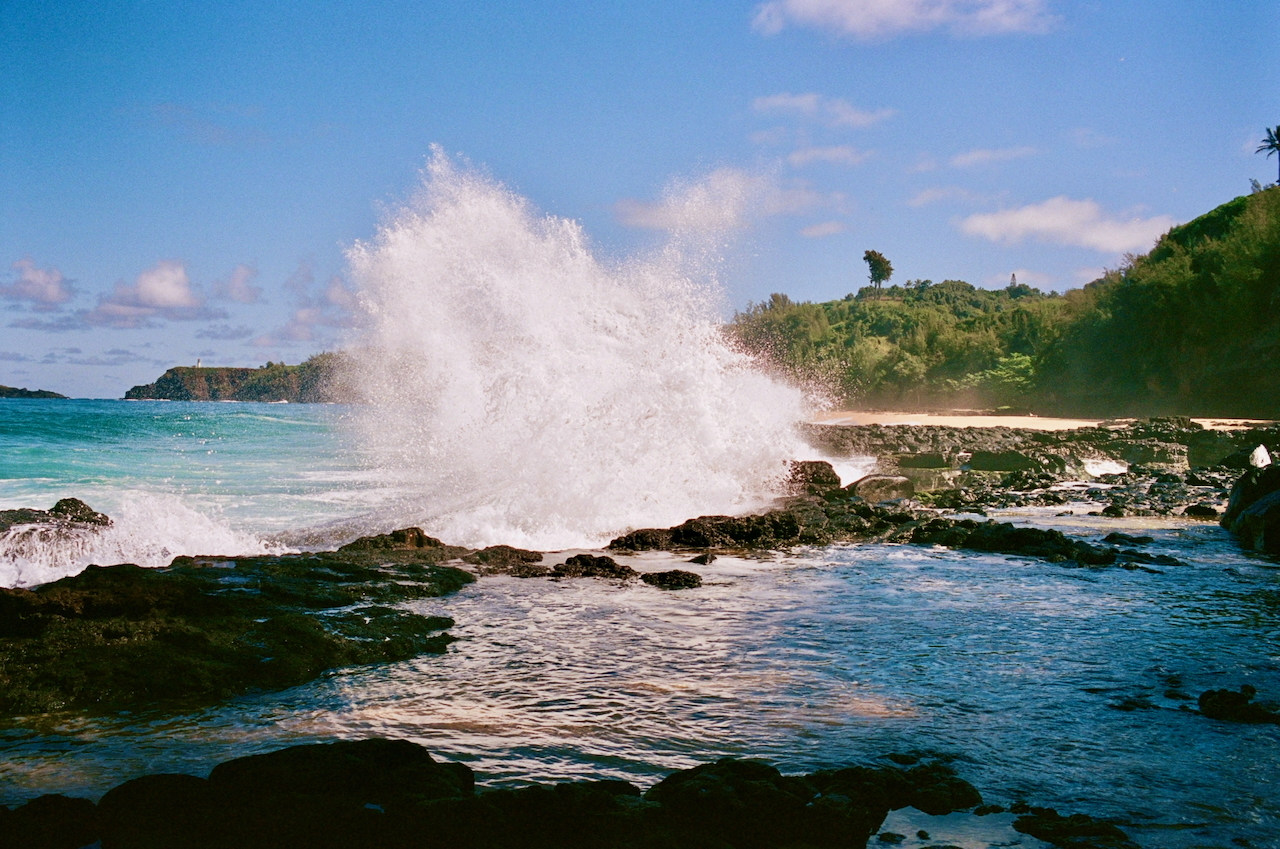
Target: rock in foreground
x=375 y=793
x=205 y=629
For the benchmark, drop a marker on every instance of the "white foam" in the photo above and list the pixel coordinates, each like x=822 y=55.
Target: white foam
x=147 y=530
x=1096 y=468
x=532 y=394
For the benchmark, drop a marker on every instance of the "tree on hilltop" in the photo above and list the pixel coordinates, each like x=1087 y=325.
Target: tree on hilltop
x=880 y=268
x=1271 y=144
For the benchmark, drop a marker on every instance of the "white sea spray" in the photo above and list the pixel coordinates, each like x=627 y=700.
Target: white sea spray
x=147 y=529
x=529 y=393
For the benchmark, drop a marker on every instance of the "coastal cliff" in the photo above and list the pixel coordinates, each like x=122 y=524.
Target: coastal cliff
x=318 y=380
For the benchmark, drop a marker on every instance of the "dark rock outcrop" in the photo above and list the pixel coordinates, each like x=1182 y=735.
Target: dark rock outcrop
x=371 y=794
x=672 y=579
x=592 y=566
x=812 y=477
x=1232 y=706
x=1253 y=513
x=67 y=514
x=1077 y=831
x=205 y=629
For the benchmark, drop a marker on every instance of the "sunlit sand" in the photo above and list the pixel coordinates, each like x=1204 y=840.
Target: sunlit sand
x=856 y=417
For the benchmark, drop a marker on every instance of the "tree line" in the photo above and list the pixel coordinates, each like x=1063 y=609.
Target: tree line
x=1191 y=328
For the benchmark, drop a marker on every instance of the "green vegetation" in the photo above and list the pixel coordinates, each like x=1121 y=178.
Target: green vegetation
x=1190 y=328
x=318 y=379
x=1271 y=144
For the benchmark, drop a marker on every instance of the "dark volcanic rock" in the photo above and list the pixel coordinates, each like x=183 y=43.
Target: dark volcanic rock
x=204 y=629
x=877 y=488
x=502 y=559
x=812 y=477
x=592 y=566
x=1230 y=706
x=69 y=517
x=159 y=811
x=1258 y=525
x=391 y=794
x=673 y=579
x=405 y=539
x=1077 y=831
x=52 y=821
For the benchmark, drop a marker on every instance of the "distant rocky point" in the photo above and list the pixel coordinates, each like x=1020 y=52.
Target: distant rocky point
x=318 y=380
x=13 y=392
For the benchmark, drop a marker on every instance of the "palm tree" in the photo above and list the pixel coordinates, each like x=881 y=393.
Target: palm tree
x=1271 y=144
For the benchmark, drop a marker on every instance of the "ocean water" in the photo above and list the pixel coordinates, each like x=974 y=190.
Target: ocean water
x=523 y=390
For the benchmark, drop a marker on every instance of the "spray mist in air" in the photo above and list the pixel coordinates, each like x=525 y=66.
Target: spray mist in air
x=525 y=392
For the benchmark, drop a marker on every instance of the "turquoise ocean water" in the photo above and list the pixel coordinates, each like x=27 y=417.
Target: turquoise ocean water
x=1067 y=687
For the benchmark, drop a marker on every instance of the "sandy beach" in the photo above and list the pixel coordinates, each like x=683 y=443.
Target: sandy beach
x=960 y=419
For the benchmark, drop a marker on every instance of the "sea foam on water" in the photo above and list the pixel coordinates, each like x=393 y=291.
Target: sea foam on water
x=526 y=392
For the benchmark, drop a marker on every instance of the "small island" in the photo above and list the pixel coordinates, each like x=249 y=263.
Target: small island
x=14 y=392
x=317 y=380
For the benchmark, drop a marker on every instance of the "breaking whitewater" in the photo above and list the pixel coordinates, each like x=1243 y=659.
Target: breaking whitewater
x=524 y=392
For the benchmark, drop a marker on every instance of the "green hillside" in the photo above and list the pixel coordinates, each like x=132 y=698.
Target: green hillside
x=1190 y=328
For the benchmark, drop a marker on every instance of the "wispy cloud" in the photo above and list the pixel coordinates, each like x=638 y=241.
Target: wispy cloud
x=213 y=125
x=1063 y=221
x=46 y=288
x=239 y=286
x=985 y=156
x=869 y=20
x=725 y=200
x=1087 y=138
x=940 y=194
x=831 y=111
x=332 y=308
x=224 y=332
x=826 y=228
x=837 y=155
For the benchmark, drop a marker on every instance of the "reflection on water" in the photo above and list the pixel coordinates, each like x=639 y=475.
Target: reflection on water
x=1021 y=669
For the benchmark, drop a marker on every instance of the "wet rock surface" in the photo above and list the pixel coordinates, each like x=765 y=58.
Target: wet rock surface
x=206 y=629
x=1076 y=831
x=392 y=793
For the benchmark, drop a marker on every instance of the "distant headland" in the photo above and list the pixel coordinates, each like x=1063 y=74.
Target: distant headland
x=314 y=381
x=13 y=392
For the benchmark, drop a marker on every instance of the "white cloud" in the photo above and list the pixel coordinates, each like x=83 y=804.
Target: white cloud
x=727 y=199
x=1063 y=221
x=239 y=286
x=879 y=19
x=987 y=156
x=838 y=155
x=45 y=287
x=164 y=291
x=832 y=111
x=941 y=193
x=826 y=228
x=331 y=309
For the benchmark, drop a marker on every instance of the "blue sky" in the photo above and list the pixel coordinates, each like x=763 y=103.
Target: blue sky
x=180 y=180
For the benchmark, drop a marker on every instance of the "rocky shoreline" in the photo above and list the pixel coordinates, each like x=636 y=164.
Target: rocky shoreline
x=374 y=793
x=206 y=629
